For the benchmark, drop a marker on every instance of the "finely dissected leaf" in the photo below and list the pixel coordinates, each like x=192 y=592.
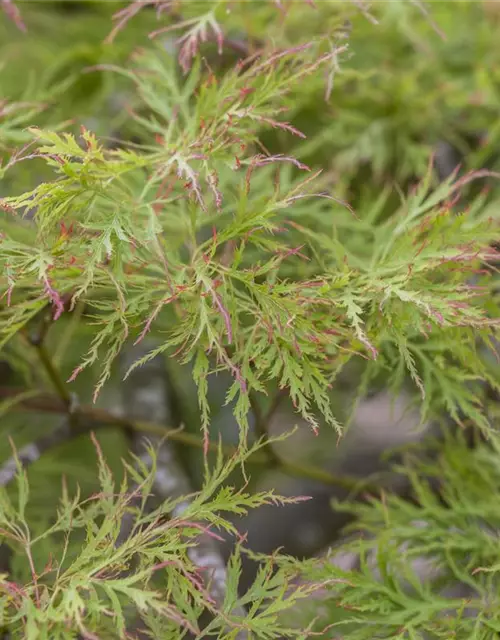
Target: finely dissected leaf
x=244 y=189
x=414 y=555
x=134 y=235
x=98 y=584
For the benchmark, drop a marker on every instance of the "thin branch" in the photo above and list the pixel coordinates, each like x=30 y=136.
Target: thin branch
x=53 y=374
x=365 y=11
x=52 y=404
x=37 y=340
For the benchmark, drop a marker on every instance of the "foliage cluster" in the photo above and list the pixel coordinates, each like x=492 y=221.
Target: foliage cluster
x=267 y=208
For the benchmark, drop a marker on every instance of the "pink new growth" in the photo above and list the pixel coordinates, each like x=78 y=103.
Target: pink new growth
x=54 y=297
x=225 y=314
x=12 y=12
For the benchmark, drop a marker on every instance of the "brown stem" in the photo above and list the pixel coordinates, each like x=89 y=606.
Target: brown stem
x=37 y=340
x=53 y=374
x=52 y=404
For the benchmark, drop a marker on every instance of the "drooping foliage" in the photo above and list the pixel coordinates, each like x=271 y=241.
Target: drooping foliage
x=258 y=187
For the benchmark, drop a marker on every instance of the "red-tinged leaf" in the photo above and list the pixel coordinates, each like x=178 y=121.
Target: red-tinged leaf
x=54 y=297
x=14 y=14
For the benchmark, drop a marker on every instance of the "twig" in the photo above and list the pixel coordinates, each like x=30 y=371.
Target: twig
x=52 y=404
x=37 y=340
x=425 y=12
x=56 y=380
x=365 y=11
